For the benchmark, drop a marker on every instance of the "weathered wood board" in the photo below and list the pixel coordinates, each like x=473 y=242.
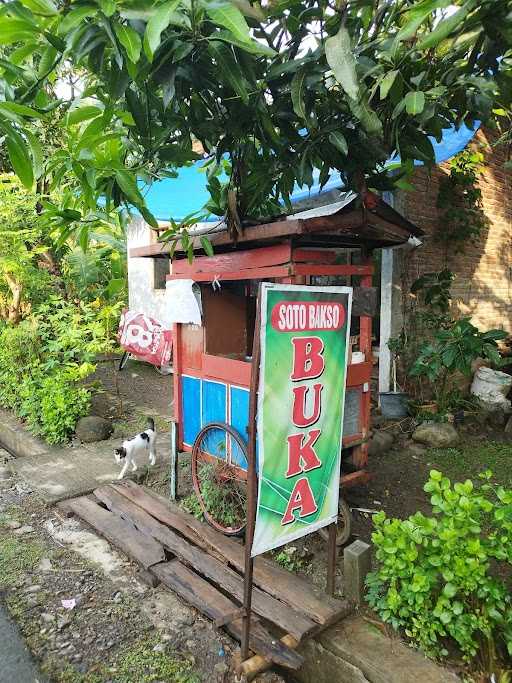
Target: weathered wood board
x=204 y=567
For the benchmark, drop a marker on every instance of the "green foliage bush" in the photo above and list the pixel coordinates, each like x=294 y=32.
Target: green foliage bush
x=444 y=578
x=44 y=359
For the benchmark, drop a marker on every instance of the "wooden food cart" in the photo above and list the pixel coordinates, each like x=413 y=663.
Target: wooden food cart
x=212 y=362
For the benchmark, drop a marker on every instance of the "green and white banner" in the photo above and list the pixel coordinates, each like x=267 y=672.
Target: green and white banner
x=304 y=342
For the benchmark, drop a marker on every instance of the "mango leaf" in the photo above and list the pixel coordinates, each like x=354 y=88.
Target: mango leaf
x=415 y=16
x=338 y=140
x=130 y=40
x=18 y=110
x=19 y=157
x=369 y=119
x=83 y=114
x=45 y=8
x=47 y=61
x=297 y=92
x=15 y=30
x=253 y=11
x=228 y=16
x=75 y=17
x=37 y=153
x=415 y=102
x=207 y=246
x=252 y=46
x=338 y=51
x=387 y=82
x=158 y=23
x=229 y=69
x=447 y=26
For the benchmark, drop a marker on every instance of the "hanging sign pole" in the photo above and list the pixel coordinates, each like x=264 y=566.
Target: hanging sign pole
x=251 y=483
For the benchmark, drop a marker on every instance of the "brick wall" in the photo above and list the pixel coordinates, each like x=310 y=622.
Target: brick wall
x=483 y=284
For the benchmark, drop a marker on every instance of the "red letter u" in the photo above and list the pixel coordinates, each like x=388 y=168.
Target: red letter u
x=299 y=405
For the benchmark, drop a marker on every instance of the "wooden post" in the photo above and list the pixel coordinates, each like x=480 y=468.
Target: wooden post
x=173 y=474
x=251 y=483
x=331 y=559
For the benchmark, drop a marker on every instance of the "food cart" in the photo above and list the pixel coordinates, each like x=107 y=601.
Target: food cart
x=212 y=362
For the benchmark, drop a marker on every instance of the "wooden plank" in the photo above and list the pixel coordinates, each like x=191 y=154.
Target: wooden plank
x=313 y=256
x=146 y=551
x=355 y=478
x=316 y=269
x=358 y=374
x=248 y=274
x=232 y=371
x=208 y=600
x=287 y=587
x=265 y=605
x=234 y=260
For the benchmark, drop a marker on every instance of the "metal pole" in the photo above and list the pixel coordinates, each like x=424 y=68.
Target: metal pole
x=173 y=475
x=251 y=484
x=331 y=559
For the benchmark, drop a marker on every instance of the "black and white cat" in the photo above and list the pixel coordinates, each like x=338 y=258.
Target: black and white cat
x=145 y=441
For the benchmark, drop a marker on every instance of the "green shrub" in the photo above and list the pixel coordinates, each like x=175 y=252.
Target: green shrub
x=445 y=577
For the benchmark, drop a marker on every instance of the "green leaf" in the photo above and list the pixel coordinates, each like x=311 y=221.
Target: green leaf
x=228 y=16
x=130 y=40
x=415 y=102
x=45 y=8
x=37 y=153
x=158 y=23
x=387 y=82
x=229 y=70
x=449 y=590
x=75 y=17
x=15 y=30
x=338 y=51
x=253 y=46
x=20 y=159
x=447 y=26
x=414 y=17
x=18 y=110
x=47 y=61
x=369 y=119
x=297 y=92
x=338 y=140
x=207 y=246
x=82 y=114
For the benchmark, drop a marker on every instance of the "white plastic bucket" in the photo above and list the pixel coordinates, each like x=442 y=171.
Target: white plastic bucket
x=492 y=386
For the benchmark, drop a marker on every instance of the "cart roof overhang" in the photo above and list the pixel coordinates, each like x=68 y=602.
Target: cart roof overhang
x=348 y=223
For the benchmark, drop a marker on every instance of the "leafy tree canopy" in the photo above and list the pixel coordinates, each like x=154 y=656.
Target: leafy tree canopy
x=272 y=91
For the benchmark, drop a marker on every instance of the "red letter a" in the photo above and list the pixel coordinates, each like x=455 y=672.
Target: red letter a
x=301 y=456
x=299 y=405
x=301 y=499
x=308 y=361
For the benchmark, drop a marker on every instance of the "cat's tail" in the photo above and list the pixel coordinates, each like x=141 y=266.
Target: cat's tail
x=151 y=423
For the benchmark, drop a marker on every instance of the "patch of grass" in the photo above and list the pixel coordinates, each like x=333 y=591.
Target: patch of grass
x=191 y=504
x=12 y=513
x=290 y=561
x=136 y=664
x=17 y=556
x=472 y=458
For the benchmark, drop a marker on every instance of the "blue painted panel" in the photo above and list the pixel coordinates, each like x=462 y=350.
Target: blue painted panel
x=191 y=406
x=214 y=409
x=214 y=402
x=239 y=399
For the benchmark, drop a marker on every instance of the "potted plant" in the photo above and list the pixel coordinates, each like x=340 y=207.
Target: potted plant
x=394 y=404
x=451 y=350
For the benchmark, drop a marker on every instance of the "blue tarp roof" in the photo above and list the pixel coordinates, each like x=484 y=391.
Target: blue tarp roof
x=181 y=196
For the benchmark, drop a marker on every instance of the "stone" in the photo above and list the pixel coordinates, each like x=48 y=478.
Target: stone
x=5 y=473
x=33 y=589
x=380 y=442
x=159 y=647
x=93 y=428
x=25 y=529
x=436 y=434
x=497 y=419
x=12 y=524
x=356 y=565
x=45 y=565
x=416 y=449
x=47 y=618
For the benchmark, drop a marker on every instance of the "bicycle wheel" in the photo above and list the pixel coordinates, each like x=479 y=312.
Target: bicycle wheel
x=219 y=471
x=343 y=525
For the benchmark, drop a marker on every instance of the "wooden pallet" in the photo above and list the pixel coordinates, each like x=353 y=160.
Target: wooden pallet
x=205 y=568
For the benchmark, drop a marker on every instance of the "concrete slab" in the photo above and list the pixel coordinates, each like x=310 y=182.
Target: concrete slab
x=17 y=664
x=69 y=472
x=356 y=651
x=17 y=440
